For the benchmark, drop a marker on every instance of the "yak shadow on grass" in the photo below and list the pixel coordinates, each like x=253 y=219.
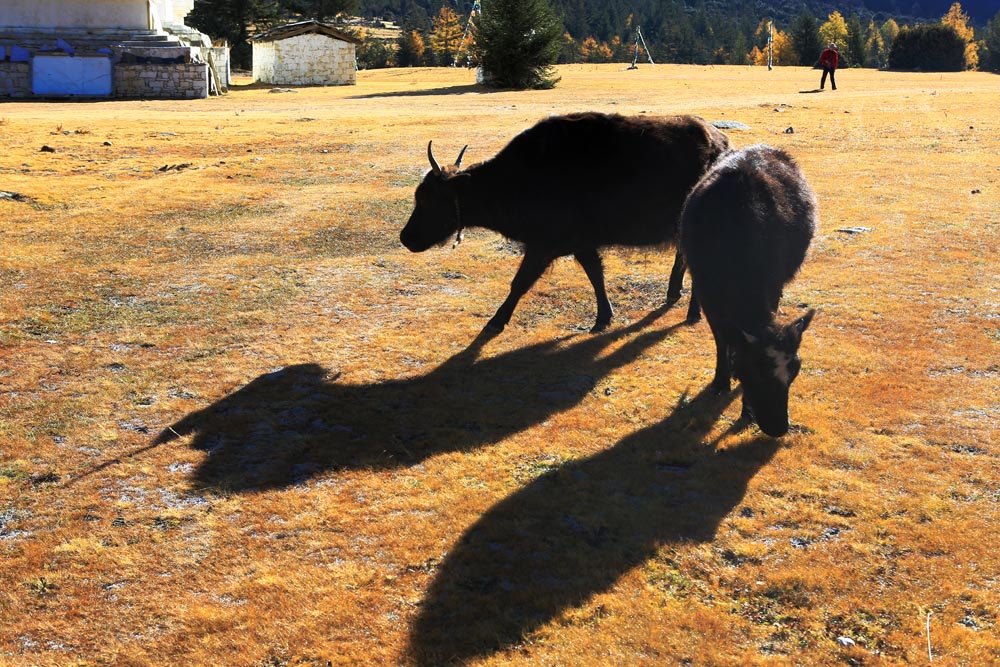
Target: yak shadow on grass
x=286 y=427
x=575 y=531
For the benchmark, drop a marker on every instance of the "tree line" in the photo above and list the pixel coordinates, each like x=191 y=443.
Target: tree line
x=603 y=32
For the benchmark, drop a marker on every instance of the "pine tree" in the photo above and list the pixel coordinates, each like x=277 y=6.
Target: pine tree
x=231 y=20
x=932 y=47
x=569 y=49
x=856 y=53
x=959 y=20
x=804 y=33
x=991 y=45
x=319 y=10
x=874 y=46
x=738 y=53
x=410 y=49
x=517 y=42
x=373 y=53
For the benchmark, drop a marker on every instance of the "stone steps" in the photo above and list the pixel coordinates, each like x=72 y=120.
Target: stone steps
x=85 y=40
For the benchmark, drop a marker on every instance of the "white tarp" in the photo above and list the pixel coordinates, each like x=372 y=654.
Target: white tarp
x=68 y=75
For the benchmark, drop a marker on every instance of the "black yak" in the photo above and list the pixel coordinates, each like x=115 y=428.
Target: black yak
x=745 y=231
x=571 y=185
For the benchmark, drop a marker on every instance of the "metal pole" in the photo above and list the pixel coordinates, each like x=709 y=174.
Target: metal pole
x=648 y=54
x=770 y=44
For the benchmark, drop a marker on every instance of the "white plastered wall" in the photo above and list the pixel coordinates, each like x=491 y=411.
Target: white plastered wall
x=173 y=11
x=131 y=14
x=305 y=60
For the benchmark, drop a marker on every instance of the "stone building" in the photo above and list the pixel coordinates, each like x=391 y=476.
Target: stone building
x=307 y=53
x=101 y=48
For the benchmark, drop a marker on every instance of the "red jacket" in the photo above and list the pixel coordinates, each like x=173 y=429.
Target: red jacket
x=829 y=58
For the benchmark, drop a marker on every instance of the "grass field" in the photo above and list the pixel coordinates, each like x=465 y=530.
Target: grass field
x=241 y=425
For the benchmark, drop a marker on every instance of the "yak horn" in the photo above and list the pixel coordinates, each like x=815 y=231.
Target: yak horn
x=430 y=156
x=458 y=162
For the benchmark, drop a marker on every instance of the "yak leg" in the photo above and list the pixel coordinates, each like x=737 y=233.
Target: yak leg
x=676 y=277
x=590 y=260
x=532 y=267
x=694 y=306
x=723 y=372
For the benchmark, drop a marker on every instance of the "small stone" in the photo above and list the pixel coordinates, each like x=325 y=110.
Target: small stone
x=846 y=642
x=48 y=149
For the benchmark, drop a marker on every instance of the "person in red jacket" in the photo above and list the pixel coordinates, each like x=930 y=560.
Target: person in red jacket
x=828 y=59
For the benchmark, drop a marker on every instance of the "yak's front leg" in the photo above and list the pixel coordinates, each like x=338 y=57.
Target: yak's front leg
x=532 y=267
x=676 y=278
x=590 y=260
x=723 y=369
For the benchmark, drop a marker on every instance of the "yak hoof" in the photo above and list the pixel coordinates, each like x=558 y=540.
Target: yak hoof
x=719 y=387
x=693 y=318
x=673 y=298
x=600 y=325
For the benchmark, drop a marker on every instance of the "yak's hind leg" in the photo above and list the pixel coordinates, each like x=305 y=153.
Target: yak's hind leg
x=676 y=278
x=694 y=306
x=532 y=267
x=591 y=262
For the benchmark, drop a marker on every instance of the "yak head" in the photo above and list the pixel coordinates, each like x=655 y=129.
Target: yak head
x=767 y=363
x=436 y=215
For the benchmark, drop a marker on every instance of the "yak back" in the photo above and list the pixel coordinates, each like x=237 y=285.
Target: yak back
x=745 y=231
x=593 y=179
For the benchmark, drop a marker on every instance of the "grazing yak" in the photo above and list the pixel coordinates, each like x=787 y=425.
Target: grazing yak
x=745 y=230
x=571 y=185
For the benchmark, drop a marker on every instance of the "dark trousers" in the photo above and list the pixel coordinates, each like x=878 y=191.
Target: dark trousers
x=833 y=82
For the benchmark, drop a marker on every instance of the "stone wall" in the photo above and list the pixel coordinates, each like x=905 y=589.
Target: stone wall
x=156 y=81
x=306 y=60
x=15 y=79
x=147 y=81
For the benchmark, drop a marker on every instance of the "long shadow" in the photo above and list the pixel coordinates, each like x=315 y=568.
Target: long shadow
x=286 y=427
x=447 y=90
x=809 y=92
x=576 y=530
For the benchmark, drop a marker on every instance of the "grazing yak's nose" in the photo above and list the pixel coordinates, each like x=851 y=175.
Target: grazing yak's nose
x=775 y=430
x=405 y=239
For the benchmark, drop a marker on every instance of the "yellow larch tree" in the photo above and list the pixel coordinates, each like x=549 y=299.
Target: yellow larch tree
x=959 y=20
x=446 y=35
x=834 y=30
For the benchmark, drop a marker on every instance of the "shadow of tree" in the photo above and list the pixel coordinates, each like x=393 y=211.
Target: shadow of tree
x=575 y=531
x=423 y=92
x=286 y=427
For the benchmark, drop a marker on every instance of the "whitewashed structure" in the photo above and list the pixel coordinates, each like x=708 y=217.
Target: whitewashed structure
x=100 y=48
x=307 y=53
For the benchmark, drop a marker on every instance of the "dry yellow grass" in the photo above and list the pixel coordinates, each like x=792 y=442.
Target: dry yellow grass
x=240 y=425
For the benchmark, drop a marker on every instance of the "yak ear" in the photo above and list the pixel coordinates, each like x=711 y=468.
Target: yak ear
x=802 y=323
x=434 y=163
x=458 y=162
